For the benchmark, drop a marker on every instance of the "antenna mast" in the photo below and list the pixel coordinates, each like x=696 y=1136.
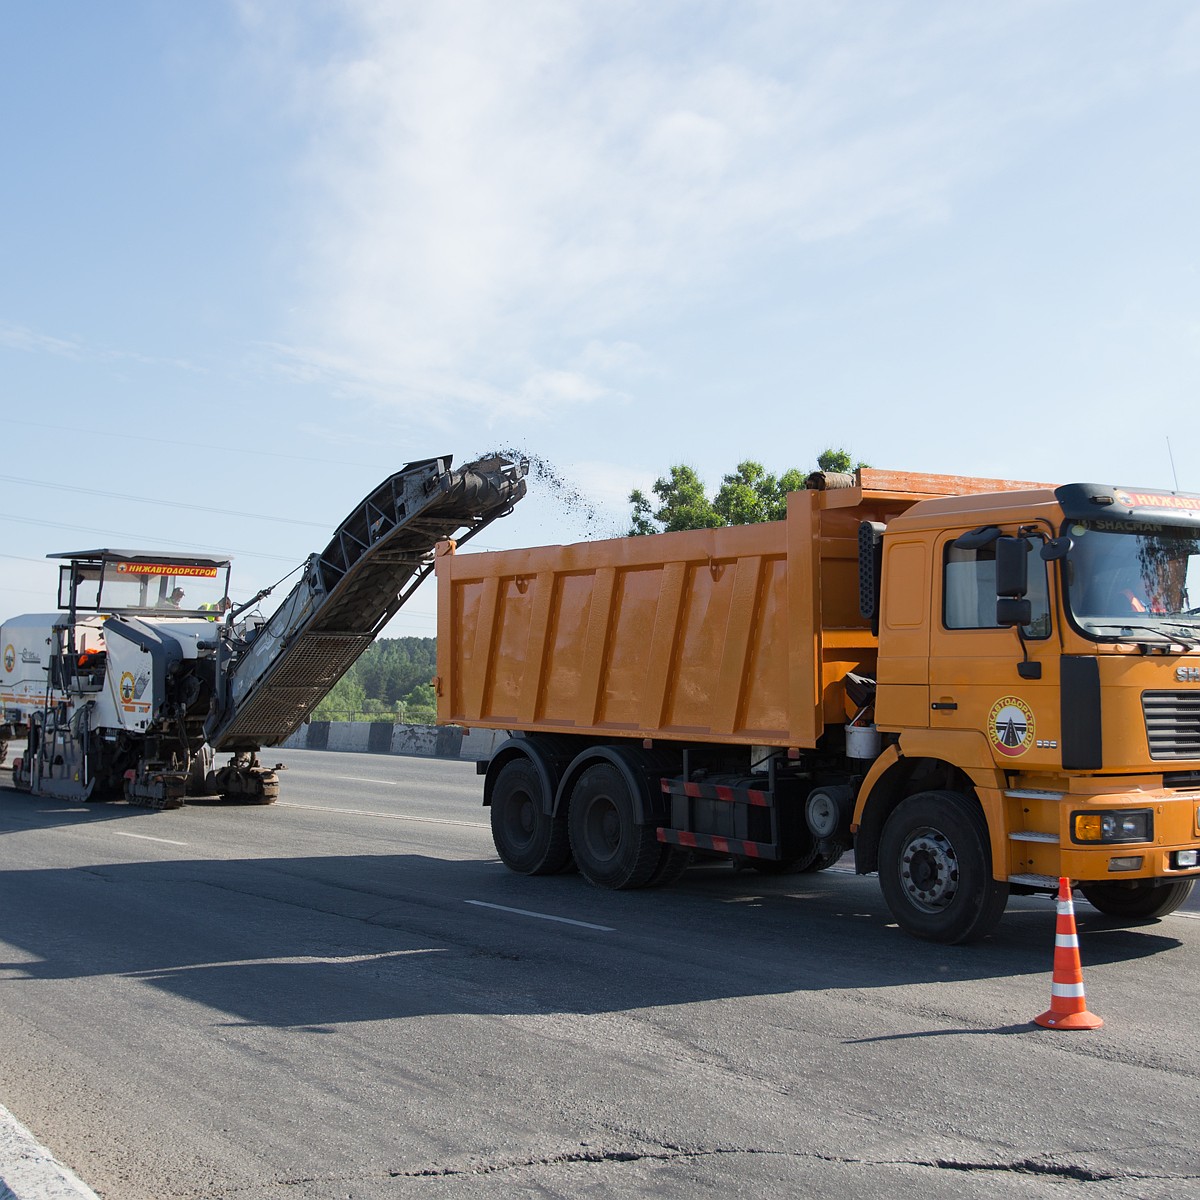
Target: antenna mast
x=1171 y=456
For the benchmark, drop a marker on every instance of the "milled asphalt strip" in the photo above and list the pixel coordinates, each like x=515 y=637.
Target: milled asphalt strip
x=28 y=1171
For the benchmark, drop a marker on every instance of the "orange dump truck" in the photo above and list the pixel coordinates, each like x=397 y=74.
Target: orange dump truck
x=977 y=685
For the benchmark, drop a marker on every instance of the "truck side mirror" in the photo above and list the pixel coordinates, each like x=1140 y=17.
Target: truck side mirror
x=1012 y=567
x=1012 y=582
x=1011 y=611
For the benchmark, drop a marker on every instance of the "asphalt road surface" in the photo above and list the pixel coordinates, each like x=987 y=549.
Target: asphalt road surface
x=347 y=995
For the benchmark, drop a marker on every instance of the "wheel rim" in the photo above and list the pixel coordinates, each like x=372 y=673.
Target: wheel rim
x=602 y=829
x=520 y=819
x=822 y=816
x=929 y=870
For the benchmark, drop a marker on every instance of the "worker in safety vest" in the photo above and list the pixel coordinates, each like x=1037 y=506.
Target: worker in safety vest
x=218 y=609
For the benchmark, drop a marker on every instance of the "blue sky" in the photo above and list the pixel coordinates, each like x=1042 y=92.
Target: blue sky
x=256 y=255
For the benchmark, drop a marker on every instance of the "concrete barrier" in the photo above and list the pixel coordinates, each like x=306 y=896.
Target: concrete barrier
x=349 y=735
x=28 y=1171
x=382 y=737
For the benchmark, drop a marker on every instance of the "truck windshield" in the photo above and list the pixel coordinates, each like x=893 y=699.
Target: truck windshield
x=162 y=586
x=1140 y=577
x=123 y=586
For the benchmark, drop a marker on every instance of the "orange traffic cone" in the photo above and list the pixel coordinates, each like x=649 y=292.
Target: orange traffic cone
x=1068 y=1008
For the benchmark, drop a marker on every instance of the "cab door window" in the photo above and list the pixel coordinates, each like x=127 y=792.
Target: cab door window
x=969 y=589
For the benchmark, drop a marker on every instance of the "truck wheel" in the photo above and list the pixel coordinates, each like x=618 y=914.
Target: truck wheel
x=610 y=848
x=671 y=867
x=935 y=869
x=1137 y=900
x=528 y=840
x=822 y=862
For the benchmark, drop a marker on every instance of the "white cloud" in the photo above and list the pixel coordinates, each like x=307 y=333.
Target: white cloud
x=492 y=191
x=31 y=341
x=17 y=337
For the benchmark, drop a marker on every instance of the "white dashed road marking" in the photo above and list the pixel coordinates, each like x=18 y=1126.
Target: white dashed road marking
x=524 y=912
x=366 y=812
x=145 y=837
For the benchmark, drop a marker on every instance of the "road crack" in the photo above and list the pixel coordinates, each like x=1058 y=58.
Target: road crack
x=667 y=1153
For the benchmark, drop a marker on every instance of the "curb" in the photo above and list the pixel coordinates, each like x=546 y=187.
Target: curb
x=28 y=1171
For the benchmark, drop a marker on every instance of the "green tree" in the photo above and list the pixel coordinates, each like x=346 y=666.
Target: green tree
x=682 y=504
x=748 y=495
x=751 y=494
x=838 y=462
x=420 y=705
x=344 y=701
x=380 y=682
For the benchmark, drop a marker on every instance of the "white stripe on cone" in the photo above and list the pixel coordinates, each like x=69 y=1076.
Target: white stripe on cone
x=1067 y=990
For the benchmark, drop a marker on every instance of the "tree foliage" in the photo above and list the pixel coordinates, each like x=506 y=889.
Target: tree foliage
x=838 y=462
x=747 y=495
x=390 y=680
x=682 y=504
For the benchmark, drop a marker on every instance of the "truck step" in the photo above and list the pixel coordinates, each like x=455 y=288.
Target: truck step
x=1035 y=881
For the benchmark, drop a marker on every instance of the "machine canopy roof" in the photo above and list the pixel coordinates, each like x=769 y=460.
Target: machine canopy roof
x=143 y=556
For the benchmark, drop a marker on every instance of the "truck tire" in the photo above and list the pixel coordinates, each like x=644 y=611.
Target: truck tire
x=822 y=862
x=671 y=867
x=528 y=840
x=935 y=869
x=610 y=848
x=1137 y=900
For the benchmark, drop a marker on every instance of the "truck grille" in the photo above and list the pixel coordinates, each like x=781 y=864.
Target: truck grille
x=1182 y=779
x=1172 y=724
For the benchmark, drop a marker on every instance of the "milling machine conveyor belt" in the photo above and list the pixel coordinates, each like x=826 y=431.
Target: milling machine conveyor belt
x=373 y=563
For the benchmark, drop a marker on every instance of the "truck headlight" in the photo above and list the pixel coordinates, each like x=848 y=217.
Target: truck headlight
x=1114 y=825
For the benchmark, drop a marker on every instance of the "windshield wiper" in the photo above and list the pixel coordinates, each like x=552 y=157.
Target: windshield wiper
x=1191 y=639
x=1190 y=642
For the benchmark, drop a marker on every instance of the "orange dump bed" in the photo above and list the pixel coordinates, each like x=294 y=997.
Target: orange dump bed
x=740 y=635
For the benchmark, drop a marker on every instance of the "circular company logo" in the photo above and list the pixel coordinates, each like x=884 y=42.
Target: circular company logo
x=1011 y=726
x=10 y=658
x=126 y=686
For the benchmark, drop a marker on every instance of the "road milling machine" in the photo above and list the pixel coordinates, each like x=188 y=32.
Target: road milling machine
x=148 y=677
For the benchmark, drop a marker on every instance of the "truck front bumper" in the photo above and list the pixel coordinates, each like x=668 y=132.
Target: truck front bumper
x=1109 y=833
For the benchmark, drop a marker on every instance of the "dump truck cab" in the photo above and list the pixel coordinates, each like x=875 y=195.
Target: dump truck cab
x=1039 y=666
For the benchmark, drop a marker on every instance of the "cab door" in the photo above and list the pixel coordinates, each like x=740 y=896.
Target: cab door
x=991 y=688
